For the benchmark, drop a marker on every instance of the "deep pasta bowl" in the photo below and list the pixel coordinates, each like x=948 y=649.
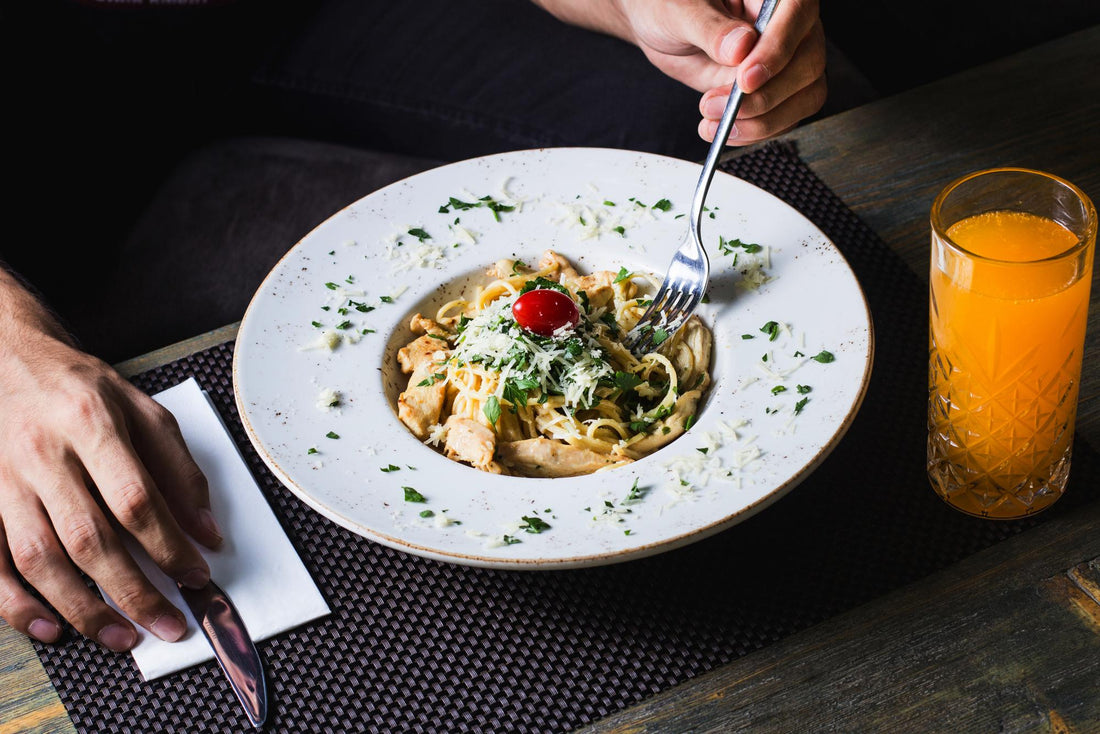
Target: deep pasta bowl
x=317 y=379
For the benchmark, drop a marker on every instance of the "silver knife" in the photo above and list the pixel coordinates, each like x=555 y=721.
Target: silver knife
x=235 y=652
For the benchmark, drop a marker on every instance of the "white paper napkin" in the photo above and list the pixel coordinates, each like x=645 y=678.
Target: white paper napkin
x=257 y=565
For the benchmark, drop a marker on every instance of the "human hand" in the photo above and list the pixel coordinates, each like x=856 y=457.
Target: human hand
x=69 y=422
x=709 y=44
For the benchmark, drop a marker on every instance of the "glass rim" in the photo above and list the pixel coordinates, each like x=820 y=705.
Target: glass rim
x=1082 y=241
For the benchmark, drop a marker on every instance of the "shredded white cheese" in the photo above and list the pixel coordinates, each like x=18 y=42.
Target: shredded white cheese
x=327 y=399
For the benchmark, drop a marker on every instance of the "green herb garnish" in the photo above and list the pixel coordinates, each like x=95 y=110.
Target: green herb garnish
x=534 y=524
x=492 y=409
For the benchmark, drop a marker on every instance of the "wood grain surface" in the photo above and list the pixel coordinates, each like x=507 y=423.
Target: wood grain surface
x=1008 y=640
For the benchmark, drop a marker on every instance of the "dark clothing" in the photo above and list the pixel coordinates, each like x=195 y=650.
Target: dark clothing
x=150 y=195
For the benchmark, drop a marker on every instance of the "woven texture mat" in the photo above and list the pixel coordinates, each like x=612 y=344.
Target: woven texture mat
x=418 y=645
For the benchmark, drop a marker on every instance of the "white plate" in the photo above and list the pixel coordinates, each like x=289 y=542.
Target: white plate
x=277 y=382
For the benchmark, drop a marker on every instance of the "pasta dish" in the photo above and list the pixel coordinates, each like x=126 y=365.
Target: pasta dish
x=529 y=377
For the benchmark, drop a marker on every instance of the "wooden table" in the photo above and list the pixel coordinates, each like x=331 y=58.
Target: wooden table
x=1007 y=640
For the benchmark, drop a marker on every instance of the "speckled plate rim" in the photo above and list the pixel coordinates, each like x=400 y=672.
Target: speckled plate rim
x=569 y=561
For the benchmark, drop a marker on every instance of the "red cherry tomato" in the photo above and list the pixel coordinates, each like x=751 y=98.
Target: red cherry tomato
x=544 y=311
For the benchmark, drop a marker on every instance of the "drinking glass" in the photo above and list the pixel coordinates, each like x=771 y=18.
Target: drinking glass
x=1011 y=270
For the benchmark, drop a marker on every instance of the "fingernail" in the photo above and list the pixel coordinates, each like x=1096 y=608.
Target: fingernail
x=714 y=106
x=44 y=630
x=729 y=48
x=208 y=523
x=169 y=628
x=195 y=578
x=734 y=132
x=117 y=637
x=756 y=77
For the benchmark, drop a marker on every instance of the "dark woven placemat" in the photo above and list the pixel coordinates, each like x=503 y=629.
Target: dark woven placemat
x=417 y=645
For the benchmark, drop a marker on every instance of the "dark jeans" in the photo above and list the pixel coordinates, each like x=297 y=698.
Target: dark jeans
x=463 y=79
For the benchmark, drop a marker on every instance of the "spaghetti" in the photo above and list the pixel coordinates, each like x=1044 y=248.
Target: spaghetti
x=507 y=400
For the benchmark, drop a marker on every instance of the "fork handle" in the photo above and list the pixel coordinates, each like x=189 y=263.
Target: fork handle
x=733 y=104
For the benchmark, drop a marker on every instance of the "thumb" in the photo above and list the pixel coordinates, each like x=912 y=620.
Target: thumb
x=710 y=28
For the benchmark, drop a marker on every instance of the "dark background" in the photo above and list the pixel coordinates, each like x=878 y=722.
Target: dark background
x=104 y=100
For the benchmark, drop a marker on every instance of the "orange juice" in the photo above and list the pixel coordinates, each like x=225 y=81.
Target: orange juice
x=1009 y=303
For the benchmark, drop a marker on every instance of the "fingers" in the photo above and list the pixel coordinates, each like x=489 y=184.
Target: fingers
x=725 y=38
x=92 y=544
x=778 y=120
x=797 y=92
x=129 y=492
x=19 y=608
x=156 y=438
x=792 y=23
x=805 y=68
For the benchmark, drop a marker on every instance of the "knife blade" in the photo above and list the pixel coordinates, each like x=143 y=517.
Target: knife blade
x=233 y=647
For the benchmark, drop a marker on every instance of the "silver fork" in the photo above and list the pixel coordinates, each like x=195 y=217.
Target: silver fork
x=688 y=274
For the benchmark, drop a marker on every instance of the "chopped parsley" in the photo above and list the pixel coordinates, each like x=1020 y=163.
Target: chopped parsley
x=771 y=329
x=823 y=357
x=411 y=495
x=730 y=247
x=803 y=389
x=627 y=381
x=534 y=524
x=391 y=467
x=419 y=234
x=427 y=513
x=331 y=286
x=624 y=274
x=778 y=389
x=332 y=434
x=800 y=405
x=486 y=202
x=663 y=205
x=312 y=450
x=386 y=299
x=492 y=409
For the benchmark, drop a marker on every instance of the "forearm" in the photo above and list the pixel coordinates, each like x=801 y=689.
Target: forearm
x=603 y=16
x=22 y=313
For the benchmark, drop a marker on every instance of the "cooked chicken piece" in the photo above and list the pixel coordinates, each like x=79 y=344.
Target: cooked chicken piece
x=421 y=325
x=472 y=442
x=422 y=350
x=502 y=269
x=542 y=457
x=420 y=405
x=422 y=402
x=569 y=275
x=598 y=287
x=685 y=408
